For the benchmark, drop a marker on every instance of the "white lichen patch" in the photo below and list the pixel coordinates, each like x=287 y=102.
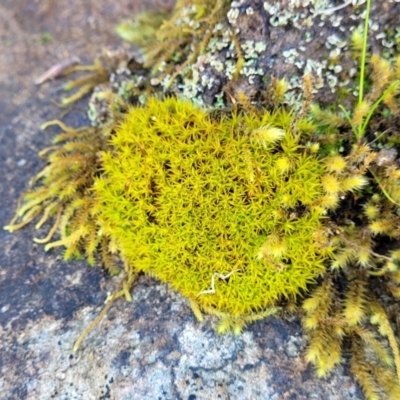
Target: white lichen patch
x=232 y=15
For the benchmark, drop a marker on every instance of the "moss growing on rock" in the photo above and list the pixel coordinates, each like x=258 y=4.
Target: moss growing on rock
x=241 y=209
x=187 y=198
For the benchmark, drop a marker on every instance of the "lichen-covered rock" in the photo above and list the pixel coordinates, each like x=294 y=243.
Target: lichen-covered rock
x=209 y=47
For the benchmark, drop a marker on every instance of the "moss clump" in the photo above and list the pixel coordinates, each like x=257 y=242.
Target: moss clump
x=61 y=193
x=187 y=198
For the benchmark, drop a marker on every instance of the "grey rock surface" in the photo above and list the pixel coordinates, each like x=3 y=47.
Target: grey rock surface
x=150 y=348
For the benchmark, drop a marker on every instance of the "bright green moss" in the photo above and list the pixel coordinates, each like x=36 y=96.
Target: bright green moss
x=184 y=197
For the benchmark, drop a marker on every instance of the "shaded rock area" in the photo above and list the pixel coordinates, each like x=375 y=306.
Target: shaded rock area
x=151 y=348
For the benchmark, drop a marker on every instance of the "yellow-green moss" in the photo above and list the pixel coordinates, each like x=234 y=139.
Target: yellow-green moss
x=185 y=197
